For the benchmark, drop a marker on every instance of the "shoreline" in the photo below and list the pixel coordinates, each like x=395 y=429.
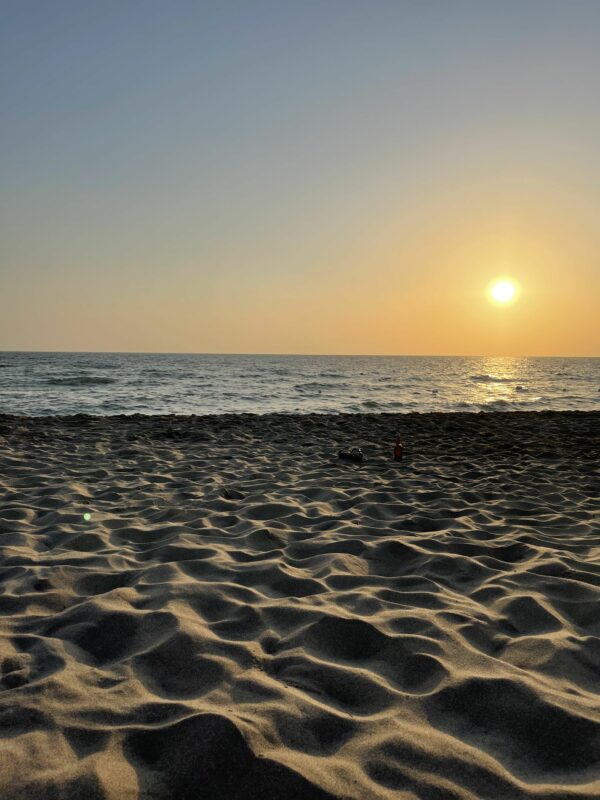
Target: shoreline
x=216 y=604
x=303 y=415
x=310 y=415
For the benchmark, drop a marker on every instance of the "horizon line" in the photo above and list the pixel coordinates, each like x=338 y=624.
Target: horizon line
x=286 y=355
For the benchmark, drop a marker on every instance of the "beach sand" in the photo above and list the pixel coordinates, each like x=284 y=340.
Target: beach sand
x=217 y=607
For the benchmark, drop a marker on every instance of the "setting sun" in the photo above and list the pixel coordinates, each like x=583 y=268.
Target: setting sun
x=502 y=291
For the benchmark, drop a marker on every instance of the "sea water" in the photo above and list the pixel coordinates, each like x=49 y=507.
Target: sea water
x=128 y=383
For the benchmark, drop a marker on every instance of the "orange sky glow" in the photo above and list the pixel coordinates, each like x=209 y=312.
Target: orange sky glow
x=310 y=178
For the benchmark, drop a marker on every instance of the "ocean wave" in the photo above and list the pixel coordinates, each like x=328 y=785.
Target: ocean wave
x=313 y=386
x=113 y=405
x=68 y=383
x=80 y=380
x=97 y=365
x=159 y=373
x=490 y=379
x=506 y=405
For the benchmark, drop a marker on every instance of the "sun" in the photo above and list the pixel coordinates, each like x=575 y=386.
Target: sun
x=502 y=291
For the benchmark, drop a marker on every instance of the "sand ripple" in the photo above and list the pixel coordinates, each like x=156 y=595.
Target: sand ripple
x=218 y=608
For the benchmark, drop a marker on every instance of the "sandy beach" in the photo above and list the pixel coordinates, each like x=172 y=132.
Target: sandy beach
x=218 y=607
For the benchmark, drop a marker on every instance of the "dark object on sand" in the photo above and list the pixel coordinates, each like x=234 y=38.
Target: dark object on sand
x=354 y=454
x=398 y=449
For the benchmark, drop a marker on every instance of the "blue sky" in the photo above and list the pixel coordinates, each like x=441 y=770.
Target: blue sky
x=254 y=176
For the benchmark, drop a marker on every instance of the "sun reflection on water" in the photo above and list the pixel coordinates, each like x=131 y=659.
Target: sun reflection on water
x=501 y=380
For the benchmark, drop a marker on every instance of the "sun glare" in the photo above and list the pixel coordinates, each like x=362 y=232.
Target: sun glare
x=502 y=291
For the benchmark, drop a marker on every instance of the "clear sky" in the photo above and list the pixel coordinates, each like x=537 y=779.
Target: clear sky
x=298 y=176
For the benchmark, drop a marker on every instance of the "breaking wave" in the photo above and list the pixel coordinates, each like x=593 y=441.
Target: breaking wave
x=80 y=380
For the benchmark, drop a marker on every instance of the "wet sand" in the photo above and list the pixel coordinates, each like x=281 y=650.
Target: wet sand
x=217 y=607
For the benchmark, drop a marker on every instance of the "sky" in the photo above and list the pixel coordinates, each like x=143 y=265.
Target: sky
x=300 y=177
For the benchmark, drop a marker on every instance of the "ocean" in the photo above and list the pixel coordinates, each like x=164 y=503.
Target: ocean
x=36 y=384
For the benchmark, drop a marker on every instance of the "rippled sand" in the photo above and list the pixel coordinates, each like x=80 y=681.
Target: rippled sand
x=219 y=608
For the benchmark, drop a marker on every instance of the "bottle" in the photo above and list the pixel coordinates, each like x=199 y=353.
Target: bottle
x=398 y=449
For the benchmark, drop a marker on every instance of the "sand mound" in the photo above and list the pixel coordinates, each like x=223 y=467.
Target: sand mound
x=219 y=608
